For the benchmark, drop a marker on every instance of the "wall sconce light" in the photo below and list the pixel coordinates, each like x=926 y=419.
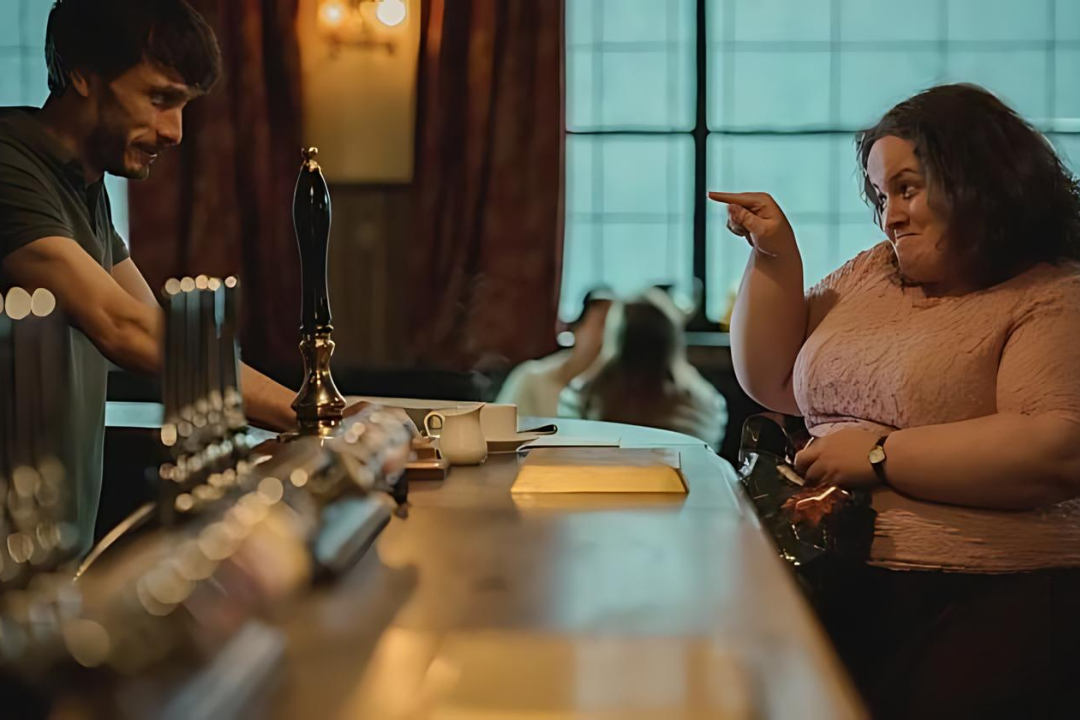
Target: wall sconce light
x=355 y=22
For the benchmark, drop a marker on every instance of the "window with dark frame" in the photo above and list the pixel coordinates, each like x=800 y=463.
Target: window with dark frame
x=666 y=100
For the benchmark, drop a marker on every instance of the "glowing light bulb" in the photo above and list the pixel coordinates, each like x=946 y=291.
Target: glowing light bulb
x=332 y=14
x=390 y=12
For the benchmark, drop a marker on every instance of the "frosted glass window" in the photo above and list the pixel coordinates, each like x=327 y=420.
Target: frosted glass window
x=10 y=78
x=773 y=90
x=1067 y=20
x=1068 y=147
x=787 y=84
x=630 y=214
x=794 y=169
x=10 y=29
x=847 y=181
x=1019 y=77
x=118 y=199
x=866 y=22
x=1008 y=20
x=35 y=18
x=1067 y=89
x=773 y=20
x=853 y=238
x=871 y=82
x=818 y=248
x=630 y=65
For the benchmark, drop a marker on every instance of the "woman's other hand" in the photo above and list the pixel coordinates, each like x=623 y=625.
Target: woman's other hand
x=842 y=458
x=759 y=219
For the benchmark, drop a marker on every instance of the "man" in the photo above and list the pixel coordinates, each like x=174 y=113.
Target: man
x=120 y=74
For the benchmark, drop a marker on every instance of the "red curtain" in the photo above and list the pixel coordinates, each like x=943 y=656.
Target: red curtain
x=221 y=203
x=487 y=256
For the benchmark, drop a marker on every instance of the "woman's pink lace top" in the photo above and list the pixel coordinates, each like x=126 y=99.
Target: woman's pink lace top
x=883 y=355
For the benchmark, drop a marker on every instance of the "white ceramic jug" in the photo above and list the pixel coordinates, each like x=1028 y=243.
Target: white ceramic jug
x=461 y=439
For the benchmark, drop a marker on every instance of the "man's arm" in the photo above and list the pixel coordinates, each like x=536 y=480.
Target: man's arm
x=121 y=316
x=124 y=330
x=267 y=403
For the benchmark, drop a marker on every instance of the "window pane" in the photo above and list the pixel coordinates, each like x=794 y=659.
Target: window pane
x=872 y=82
x=794 y=169
x=818 y=247
x=769 y=90
x=1067 y=90
x=630 y=208
x=998 y=19
x=769 y=20
x=1067 y=20
x=853 y=238
x=118 y=199
x=848 y=181
x=35 y=18
x=630 y=65
x=862 y=21
x=35 y=79
x=1018 y=77
x=11 y=12
x=799 y=172
x=1068 y=147
x=10 y=77
x=647 y=20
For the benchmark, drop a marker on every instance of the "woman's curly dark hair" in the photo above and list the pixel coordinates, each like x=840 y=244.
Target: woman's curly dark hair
x=1008 y=200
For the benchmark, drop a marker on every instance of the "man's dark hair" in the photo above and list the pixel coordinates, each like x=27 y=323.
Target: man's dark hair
x=109 y=37
x=1008 y=200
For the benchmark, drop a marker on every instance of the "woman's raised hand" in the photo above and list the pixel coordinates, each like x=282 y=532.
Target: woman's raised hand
x=757 y=217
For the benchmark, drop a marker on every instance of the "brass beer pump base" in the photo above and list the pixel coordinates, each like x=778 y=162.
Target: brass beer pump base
x=319 y=405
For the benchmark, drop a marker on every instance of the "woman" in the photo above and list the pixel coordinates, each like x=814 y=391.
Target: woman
x=534 y=385
x=950 y=355
x=646 y=378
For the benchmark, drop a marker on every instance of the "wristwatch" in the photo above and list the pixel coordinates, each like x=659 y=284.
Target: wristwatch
x=878 y=458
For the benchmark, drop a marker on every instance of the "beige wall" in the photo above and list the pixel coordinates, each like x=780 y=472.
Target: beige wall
x=360 y=111
x=360 y=102
x=368 y=275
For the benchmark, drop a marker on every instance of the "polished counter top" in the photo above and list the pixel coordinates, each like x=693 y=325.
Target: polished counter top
x=480 y=604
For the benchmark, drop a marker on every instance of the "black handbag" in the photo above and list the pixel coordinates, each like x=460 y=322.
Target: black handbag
x=806 y=523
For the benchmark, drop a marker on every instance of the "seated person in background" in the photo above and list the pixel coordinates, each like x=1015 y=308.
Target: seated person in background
x=647 y=379
x=951 y=353
x=534 y=385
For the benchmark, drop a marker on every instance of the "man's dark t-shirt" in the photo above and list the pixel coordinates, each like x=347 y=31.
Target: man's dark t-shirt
x=43 y=194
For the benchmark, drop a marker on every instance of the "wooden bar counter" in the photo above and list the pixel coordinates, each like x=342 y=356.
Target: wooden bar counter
x=480 y=604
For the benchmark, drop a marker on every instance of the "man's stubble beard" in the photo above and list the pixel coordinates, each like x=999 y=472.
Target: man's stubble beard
x=110 y=140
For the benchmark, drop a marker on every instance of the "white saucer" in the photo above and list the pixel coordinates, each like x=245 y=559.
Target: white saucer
x=510 y=444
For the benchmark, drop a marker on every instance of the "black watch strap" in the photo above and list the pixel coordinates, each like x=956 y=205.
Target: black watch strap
x=878 y=458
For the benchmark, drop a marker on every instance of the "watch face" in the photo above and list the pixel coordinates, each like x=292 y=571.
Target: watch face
x=877 y=454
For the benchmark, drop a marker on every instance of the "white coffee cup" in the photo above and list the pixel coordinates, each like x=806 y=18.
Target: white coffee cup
x=499 y=422
x=461 y=439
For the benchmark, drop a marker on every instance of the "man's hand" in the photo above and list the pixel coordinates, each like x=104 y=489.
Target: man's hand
x=356 y=407
x=842 y=458
x=398 y=413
